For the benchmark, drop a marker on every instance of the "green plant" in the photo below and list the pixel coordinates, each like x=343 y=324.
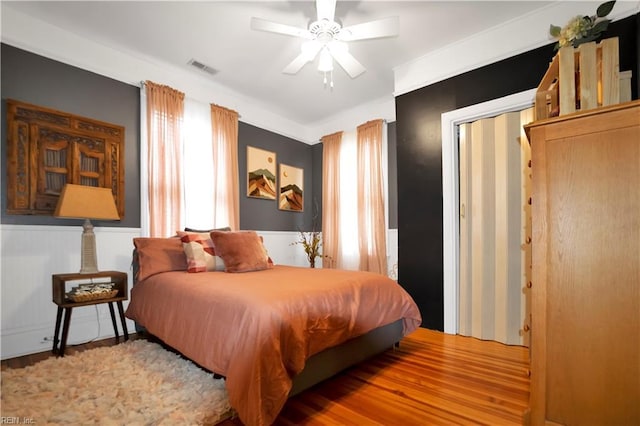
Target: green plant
x=582 y=29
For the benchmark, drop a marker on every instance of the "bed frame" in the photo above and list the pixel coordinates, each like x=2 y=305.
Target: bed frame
x=331 y=361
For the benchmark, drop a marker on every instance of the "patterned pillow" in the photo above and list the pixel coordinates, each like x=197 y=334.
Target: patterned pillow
x=200 y=253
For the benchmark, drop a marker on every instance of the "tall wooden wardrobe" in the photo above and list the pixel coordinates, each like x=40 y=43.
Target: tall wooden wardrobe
x=585 y=342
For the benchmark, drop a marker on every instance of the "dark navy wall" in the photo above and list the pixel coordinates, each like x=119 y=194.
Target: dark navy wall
x=392 y=171
x=316 y=156
x=41 y=81
x=44 y=82
x=419 y=156
x=264 y=215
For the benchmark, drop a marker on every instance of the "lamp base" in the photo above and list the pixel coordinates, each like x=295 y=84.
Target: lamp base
x=89 y=259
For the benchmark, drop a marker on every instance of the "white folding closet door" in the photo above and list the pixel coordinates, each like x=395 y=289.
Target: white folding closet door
x=494 y=226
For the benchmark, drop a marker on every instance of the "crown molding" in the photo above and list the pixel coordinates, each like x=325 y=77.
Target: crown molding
x=511 y=38
x=39 y=37
x=42 y=38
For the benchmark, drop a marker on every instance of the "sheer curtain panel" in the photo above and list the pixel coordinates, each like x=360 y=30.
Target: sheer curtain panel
x=165 y=111
x=226 y=184
x=331 y=199
x=372 y=240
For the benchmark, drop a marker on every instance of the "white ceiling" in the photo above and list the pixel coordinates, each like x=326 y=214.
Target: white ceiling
x=250 y=62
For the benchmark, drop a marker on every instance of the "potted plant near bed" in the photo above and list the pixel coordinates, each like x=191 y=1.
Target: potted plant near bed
x=311 y=242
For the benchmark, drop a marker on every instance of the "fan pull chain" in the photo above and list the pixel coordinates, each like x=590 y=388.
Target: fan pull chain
x=330 y=80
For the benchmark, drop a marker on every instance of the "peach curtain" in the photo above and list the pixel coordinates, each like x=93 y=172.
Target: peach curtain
x=372 y=227
x=331 y=199
x=224 y=126
x=165 y=111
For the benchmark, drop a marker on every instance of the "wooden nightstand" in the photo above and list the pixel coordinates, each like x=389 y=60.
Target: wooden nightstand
x=119 y=279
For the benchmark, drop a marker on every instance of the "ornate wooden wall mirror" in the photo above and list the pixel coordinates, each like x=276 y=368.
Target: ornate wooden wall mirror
x=48 y=148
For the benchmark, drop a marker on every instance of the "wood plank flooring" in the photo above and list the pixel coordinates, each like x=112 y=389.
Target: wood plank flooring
x=431 y=379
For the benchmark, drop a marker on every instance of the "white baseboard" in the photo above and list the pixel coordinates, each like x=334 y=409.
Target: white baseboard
x=30 y=256
x=83 y=328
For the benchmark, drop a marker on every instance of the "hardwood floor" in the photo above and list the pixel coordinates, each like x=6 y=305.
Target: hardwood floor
x=431 y=379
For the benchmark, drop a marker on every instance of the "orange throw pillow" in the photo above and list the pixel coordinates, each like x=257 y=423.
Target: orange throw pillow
x=241 y=251
x=157 y=255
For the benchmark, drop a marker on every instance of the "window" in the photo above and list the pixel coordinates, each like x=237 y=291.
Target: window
x=348 y=249
x=203 y=195
x=198 y=176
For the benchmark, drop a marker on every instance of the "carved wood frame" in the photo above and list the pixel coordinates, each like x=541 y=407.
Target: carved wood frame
x=33 y=132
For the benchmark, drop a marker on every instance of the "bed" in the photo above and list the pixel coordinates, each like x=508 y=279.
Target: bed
x=272 y=331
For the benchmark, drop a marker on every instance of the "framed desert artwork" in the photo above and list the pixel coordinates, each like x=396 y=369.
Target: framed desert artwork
x=261 y=173
x=291 y=193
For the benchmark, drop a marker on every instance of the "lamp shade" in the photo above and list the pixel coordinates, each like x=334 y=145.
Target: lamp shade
x=86 y=202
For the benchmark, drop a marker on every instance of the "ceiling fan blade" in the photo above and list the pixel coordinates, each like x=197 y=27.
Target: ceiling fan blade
x=297 y=64
x=386 y=27
x=326 y=9
x=274 y=27
x=309 y=52
x=346 y=61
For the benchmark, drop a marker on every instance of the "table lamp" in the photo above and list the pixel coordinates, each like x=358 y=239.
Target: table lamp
x=87 y=202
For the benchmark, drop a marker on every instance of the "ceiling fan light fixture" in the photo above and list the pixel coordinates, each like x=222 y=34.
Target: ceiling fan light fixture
x=325 y=63
x=338 y=47
x=310 y=49
x=328 y=38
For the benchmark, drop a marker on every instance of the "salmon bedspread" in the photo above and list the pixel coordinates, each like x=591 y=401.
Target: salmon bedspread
x=259 y=328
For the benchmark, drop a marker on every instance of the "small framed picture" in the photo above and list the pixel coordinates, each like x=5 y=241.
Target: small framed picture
x=261 y=173
x=291 y=195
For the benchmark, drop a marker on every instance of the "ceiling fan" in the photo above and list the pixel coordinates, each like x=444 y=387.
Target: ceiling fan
x=329 y=38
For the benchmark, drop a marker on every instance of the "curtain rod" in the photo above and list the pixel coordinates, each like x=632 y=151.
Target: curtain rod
x=143 y=83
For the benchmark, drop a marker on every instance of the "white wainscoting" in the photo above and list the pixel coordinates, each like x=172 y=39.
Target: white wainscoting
x=279 y=245
x=31 y=254
x=281 y=250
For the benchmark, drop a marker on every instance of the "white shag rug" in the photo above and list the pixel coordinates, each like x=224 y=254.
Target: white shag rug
x=133 y=383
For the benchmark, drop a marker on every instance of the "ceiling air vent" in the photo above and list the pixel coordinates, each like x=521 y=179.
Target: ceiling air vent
x=203 y=67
